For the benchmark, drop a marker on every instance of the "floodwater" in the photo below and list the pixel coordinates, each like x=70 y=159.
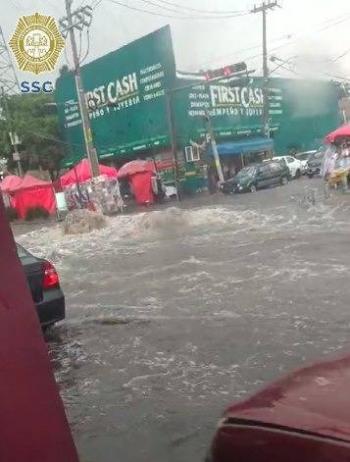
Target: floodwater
x=173 y=314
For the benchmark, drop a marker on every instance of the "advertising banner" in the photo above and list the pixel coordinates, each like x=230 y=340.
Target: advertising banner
x=125 y=92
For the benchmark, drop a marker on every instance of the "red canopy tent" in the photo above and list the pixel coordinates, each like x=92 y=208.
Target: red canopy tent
x=32 y=192
x=336 y=135
x=139 y=172
x=82 y=173
x=9 y=183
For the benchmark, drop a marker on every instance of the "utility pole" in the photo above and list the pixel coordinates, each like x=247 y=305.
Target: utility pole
x=173 y=144
x=12 y=134
x=214 y=147
x=77 y=20
x=263 y=8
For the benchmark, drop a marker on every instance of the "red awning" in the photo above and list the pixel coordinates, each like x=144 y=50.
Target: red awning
x=30 y=181
x=136 y=166
x=10 y=183
x=82 y=172
x=336 y=135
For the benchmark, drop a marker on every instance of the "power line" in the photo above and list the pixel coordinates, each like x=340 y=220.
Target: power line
x=174 y=7
x=291 y=38
x=341 y=55
x=153 y=13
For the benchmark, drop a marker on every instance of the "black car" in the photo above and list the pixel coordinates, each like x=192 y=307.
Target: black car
x=257 y=176
x=314 y=164
x=45 y=287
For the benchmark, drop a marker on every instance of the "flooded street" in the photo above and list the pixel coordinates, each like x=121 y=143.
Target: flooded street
x=173 y=314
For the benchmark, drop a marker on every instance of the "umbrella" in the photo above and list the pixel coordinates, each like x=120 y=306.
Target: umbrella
x=136 y=166
x=341 y=132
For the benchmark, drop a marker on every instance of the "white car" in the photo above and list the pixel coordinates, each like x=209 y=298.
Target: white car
x=304 y=157
x=295 y=166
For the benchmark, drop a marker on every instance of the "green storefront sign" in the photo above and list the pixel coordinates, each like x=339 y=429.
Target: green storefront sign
x=300 y=111
x=125 y=92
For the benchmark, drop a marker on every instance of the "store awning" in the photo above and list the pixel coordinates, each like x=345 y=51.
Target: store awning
x=244 y=146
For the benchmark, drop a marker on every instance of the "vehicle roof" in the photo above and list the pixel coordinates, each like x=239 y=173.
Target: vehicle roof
x=264 y=162
x=282 y=157
x=314 y=398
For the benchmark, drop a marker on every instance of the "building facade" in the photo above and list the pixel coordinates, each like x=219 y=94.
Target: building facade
x=133 y=93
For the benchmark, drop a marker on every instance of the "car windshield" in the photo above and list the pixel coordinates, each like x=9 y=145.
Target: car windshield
x=317 y=155
x=304 y=155
x=246 y=171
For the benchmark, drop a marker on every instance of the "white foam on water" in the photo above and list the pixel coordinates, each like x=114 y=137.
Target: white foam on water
x=129 y=231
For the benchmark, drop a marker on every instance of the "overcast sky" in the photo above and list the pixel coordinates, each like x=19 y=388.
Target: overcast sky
x=314 y=31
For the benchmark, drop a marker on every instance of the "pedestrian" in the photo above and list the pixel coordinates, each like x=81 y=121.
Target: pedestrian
x=328 y=163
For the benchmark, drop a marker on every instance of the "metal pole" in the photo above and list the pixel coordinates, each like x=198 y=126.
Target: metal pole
x=214 y=148
x=89 y=146
x=265 y=79
x=15 y=155
x=266 y=5
x=17 y=158
x=172 y=134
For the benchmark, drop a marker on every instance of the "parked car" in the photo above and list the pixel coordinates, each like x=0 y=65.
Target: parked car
x=45 y=287
x=257 y=176
x=340 y=176
x=304 y=157
x=314 y=164
x=302 y=417
x=294 y=165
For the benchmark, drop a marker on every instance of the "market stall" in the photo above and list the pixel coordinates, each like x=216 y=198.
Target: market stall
x=81 y=191
x=81 y=173
x=31 y=193
x=7 y=185
x=140 y=173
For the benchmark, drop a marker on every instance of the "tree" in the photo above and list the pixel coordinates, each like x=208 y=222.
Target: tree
x=34 y=118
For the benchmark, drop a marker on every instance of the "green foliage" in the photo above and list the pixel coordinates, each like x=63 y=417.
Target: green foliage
x=34 y=118
x=36 y=212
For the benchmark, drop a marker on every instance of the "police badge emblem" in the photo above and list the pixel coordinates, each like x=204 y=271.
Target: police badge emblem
x=37 y=43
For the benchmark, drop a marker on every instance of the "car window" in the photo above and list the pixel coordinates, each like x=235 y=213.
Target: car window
x=246 y=171
x=263 y=169
x=290 y=160
x=317 y=155
x=302 y=155
x=275 y=167
x=25 y=257
x=282 y=161
x=21 y=252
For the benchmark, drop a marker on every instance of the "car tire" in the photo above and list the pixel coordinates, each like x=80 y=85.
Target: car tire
x=252 y=188
x=297 y=174
x=284 y=180
x=310 y=175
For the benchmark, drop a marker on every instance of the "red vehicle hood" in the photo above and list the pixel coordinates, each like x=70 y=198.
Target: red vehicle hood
x=314 y=399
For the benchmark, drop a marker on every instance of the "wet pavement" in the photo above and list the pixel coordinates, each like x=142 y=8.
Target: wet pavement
x=173 y=314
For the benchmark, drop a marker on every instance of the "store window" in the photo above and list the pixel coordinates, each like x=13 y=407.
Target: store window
x=192 y=153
